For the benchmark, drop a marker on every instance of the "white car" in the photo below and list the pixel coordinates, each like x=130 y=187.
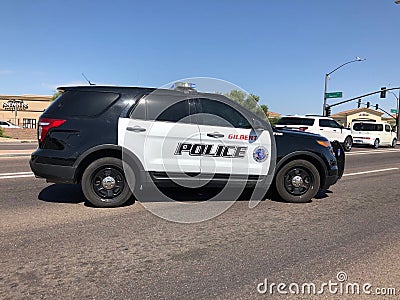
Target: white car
x=374 y=134
x=324 y=126
x=5 y=124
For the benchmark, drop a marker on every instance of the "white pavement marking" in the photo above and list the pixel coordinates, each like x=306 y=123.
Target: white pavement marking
x=372 y=151
x=16 y=175
x=368 y=172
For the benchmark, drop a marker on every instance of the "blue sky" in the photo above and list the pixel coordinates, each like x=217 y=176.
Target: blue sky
x=279 y=50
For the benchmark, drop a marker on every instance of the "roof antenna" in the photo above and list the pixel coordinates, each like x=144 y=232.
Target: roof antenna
x=88 y=80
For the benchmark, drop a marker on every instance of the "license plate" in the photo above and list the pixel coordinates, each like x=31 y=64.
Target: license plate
x=358 y=141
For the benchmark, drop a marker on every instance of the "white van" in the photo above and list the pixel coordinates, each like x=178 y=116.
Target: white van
x=373 y=133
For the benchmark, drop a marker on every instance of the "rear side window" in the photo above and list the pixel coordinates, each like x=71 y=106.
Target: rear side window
x=215 y=113
x=296 y=121
x=82 y=103
x=178 y=112
x=167 y=108
x=328 y=123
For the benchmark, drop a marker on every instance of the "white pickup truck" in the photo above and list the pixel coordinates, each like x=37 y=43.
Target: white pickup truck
x=373 y=133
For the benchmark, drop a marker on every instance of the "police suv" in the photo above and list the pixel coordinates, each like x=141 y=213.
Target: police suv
x=119 y=142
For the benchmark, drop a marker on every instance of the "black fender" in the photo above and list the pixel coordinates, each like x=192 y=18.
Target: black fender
x=124 y=154
x=304 y=155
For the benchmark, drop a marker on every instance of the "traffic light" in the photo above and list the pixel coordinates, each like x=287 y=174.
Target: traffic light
x=359 y=103
x=383 y=92
x=368 y=104
x=327 y=111
x=376 y=106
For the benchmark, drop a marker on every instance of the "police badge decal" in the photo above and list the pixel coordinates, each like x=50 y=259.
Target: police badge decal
x=260 y=154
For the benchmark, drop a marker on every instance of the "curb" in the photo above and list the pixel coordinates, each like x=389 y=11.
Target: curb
x=17 y=141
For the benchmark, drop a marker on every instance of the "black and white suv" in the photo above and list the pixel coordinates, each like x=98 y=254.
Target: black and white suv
x=167 y=136
x=324 y=126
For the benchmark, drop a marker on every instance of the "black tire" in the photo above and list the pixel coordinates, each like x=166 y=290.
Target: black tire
x=348 y=143
x=307 y=185
x=394 y=143
x=376 y=144
x=104 y=183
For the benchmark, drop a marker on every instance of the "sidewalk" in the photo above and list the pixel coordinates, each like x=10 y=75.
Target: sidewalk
x=9 y=140
x=16 y=147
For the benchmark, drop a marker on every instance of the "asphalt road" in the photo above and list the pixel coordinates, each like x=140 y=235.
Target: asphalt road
x=55 y=246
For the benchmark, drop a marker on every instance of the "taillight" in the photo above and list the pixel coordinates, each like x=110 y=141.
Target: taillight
x=46 y=124
x=303 y=128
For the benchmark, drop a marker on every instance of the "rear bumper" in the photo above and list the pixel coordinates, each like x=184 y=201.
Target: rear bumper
x=363 y=141
x=52 y=173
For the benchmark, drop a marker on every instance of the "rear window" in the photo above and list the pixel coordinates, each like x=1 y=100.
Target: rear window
x=296 y=121
x=367 y=127
x=82 y=103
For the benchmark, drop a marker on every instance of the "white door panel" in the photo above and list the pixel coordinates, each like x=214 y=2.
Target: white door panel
x=156 y=145
x=233 y=150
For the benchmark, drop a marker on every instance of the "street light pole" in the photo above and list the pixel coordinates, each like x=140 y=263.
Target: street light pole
x=397 y=114
x=327 y=78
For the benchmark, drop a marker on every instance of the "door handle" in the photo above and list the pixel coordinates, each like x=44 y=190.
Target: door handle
x=136 y=129
x=215 y=135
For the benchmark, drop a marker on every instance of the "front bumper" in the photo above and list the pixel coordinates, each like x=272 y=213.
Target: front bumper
x=331 y=178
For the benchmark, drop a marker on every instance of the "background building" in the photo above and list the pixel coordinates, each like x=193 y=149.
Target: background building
x=346 y=117
x=23 y=111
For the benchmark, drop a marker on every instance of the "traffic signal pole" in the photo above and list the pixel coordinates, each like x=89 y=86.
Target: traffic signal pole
x=362 y=96
x=377 y=92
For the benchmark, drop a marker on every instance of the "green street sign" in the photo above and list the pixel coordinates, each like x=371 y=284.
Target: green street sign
x=393 y=111
x=334 y=95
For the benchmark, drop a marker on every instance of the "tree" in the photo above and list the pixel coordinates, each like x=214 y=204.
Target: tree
x=55 y=95
x=249 y=102
x=265 y=109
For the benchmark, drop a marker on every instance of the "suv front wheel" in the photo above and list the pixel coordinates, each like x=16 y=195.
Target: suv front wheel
x=297 y=181
x=104 y=183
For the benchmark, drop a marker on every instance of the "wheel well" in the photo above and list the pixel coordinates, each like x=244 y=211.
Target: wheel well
x=311 y=159
x=94 y=156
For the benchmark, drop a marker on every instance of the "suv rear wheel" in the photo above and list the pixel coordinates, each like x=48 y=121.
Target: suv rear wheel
x=104 y=183
x=297 y=181
x=376 y=144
